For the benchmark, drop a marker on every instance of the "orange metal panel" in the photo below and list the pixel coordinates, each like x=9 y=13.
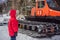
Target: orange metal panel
x=45 y=11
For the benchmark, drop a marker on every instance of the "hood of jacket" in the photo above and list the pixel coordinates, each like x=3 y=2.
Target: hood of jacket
x=13 y=13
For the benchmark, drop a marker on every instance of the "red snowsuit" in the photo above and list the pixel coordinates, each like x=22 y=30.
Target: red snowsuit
x=13 y=23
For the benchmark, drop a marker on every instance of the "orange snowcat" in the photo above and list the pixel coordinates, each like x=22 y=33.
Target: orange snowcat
x=44 y=18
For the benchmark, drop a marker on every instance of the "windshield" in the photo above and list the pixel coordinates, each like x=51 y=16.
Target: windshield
x=53 y=5
x=41 y=4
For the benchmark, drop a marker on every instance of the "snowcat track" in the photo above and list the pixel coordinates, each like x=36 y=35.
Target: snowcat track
x=49 y=29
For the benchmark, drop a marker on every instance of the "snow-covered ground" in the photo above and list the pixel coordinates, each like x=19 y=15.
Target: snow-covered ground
x=4 y=18
x=4 y=35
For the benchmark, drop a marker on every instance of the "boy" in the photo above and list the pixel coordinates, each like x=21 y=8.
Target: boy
x=13 y=25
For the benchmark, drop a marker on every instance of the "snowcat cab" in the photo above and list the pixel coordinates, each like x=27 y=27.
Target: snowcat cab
x=45 y=11
x=46 y=8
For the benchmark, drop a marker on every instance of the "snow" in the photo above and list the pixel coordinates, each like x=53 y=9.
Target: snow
x=4 y=18
x=4 y=35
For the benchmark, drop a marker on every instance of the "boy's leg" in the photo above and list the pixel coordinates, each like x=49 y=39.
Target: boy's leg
x=13 y=38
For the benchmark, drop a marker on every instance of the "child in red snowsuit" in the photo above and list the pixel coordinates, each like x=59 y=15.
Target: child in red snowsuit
x=13 y=25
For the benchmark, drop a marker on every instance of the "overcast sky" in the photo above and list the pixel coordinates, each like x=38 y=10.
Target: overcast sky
x=1 y=1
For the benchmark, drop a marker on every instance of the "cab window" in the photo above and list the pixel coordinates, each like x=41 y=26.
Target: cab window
x=53 y=5
x=41 y=4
